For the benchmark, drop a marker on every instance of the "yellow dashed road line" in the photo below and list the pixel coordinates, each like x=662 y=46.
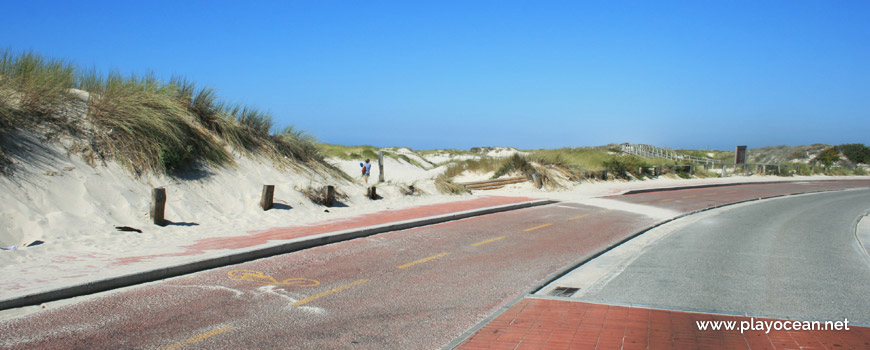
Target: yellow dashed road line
x=421 y=261
x=666 y=200
x=537 y=227
x=578 y=216
x=198 y=338
x=488 y=241
x=333 y=290
x=709 y=194
x=692 y=196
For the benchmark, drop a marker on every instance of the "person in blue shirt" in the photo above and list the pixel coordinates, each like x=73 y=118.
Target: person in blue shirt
x=366 y=170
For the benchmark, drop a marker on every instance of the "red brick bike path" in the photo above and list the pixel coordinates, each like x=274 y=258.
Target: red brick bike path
x=255 y=238
x=562 y=324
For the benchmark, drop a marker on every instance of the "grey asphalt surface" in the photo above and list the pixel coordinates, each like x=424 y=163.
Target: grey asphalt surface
x=792 y=258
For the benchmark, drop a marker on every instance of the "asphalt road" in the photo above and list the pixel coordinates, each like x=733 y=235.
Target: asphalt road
x=413 y=289
x=794 y=258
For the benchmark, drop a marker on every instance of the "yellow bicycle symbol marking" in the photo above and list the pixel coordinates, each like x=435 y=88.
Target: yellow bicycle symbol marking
x=266 y=280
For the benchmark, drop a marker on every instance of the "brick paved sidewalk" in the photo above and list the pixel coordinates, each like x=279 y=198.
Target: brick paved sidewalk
x=561 y=324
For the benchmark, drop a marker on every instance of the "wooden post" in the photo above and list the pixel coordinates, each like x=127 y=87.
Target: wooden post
x=266 y=198
x=380 y=166
x=539 y=183
x=372 y=193
x=158 y=204
x=329 y=196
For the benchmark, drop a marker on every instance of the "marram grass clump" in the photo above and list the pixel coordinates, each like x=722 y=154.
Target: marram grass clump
x=147 y=125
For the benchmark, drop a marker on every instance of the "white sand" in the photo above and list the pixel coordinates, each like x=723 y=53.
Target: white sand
x=443 y=157
x=73 y=208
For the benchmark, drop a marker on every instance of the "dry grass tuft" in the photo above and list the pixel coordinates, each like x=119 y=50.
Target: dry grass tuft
x=317 y=194
x=446 y=185
x=411 y=190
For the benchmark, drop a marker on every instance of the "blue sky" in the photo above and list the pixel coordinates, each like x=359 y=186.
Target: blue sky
x=459 y=74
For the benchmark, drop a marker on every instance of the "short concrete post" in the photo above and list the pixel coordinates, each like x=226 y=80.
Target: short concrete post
x=329 y=196
x=372 y=192
x=158 y=204
x=380 y=166
x=539 y=183
x=266 y=198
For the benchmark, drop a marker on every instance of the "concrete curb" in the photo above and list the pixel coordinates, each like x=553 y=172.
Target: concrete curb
x=571 y=267
x=862 y=235
x=253 y=253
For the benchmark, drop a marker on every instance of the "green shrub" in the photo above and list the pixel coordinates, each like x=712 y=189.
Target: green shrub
x=619 y=166
x=855 y=152
x=828 y=157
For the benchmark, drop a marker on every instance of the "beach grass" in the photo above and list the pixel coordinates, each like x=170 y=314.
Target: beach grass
x=364 y=152
x=146 y=125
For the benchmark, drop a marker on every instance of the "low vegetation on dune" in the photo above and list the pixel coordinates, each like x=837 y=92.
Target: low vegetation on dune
x=805 y=154
x=146 y=125
x=369 y=152
x=579 y=157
